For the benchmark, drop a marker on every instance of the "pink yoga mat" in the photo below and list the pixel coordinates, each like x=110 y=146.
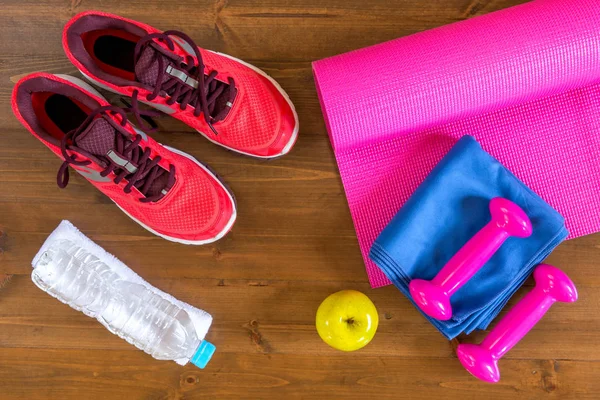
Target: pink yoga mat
x=525 y=82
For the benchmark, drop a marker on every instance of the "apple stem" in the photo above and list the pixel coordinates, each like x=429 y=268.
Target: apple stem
x=350 y=320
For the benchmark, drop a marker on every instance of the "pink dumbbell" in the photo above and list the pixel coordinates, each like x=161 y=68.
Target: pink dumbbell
x=551 y=285
x=433 y=297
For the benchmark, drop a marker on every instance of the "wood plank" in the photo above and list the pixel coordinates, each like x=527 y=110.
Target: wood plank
x=101 y=374
x=296 y=243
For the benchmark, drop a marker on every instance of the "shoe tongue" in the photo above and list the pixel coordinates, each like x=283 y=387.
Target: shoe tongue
x=100 y=137
x=147 y=67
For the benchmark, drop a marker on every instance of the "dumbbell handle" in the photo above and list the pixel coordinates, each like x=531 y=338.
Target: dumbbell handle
x=519 y=320
x=470 y=258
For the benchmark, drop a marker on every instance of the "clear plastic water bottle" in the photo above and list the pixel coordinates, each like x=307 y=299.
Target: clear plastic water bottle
x=130 y=310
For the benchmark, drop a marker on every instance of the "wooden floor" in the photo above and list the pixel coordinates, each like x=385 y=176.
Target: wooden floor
x=293 y=244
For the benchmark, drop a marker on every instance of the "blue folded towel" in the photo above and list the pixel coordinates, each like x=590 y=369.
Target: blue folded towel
x=445 y=211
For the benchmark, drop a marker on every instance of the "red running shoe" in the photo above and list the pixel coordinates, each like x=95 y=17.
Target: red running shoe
x=165 y=190
x=230 y=102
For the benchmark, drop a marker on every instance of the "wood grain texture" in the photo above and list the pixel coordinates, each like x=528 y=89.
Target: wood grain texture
x=293 y=244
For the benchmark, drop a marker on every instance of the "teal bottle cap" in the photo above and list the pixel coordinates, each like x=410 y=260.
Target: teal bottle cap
x=203 y=354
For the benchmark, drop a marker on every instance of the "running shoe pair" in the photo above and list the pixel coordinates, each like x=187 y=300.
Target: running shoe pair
x=167 y=191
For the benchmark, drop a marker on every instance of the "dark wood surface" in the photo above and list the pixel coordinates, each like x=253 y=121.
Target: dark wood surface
x=293 y=244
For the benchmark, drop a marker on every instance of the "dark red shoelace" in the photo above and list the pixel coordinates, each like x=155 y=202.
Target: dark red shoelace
x=203 y=98
x=147 y=170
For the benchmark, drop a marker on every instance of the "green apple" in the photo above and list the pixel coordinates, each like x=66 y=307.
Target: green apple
x=347 y=320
